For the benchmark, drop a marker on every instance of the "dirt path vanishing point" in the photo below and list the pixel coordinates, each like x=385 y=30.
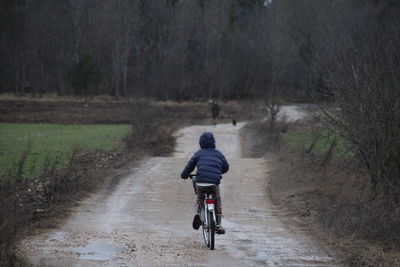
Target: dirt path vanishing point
x=146 y=220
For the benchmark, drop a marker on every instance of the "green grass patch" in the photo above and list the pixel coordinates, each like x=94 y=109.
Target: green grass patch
x=54 y=142
x=305 y=138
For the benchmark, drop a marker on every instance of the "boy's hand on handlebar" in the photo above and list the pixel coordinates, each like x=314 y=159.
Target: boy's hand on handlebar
x=190 y=176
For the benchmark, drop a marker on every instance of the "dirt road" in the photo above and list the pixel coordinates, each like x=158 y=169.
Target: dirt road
x=146 y=219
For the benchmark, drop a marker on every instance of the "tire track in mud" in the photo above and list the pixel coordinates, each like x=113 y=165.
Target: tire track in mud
x=146 y=220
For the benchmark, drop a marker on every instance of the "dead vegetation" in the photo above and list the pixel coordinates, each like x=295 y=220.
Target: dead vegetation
x=116 y=111
x=26 y=205
x=262 y=138
x=30 y=205
x=332 y=197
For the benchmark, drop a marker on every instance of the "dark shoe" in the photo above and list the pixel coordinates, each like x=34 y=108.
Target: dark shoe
x=196 y=222
x=220 y=230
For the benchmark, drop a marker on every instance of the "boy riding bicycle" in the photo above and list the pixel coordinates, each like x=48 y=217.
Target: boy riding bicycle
x=211 y=164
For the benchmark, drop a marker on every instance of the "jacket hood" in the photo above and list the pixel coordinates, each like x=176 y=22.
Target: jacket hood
x=207 y=140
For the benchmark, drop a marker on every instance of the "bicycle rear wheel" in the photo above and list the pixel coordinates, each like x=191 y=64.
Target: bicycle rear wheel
x=211 y=231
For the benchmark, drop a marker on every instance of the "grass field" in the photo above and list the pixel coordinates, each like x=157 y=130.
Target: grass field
x=55 y=142
x=304 y=139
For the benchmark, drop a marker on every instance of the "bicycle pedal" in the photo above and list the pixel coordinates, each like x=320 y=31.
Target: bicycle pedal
x=221 y=232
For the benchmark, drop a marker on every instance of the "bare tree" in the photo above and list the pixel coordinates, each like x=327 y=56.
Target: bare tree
x=364 y=82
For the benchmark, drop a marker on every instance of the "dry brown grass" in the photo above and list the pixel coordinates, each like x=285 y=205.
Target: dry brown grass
x=117 y=111
x=338 y=205
x=258 y=139
x=335 y=201
x=31 y=204
x=27 y=205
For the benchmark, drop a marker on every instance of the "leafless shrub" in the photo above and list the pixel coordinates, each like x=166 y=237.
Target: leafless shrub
x=51 y=181
x=23 y=199
x=311 y=146
x=258 y=137
x=142 y=116
x=334 y=194
x=329 y=153
x=21 y=162
x=272 y=111
x=152 y=129
x=364 y=85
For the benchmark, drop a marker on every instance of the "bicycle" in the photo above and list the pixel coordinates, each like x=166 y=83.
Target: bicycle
x=208 y=216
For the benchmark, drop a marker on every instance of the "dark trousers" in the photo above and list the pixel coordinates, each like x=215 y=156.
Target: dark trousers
x=216 y=195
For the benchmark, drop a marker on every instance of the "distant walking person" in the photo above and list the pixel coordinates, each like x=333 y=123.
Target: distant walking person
x=215 y=111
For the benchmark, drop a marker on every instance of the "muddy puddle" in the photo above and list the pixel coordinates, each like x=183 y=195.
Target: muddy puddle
x=98 y=251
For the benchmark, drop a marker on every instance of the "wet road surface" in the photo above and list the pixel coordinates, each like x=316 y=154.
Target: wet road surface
x=146 y=220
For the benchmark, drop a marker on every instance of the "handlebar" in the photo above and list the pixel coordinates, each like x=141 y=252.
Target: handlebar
x=194 y=183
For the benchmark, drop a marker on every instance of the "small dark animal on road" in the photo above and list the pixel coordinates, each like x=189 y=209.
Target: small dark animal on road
x=234 y=122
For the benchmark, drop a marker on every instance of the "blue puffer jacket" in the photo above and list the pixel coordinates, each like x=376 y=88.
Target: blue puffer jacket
x=210 y=162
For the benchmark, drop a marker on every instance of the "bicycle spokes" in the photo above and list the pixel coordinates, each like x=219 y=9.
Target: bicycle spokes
x=209 y=219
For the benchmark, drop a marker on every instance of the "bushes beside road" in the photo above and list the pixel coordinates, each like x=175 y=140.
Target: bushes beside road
x=45 y=168
x=28 y=203
x=321 y=181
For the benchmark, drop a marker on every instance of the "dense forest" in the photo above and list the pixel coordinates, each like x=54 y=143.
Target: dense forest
x=176 y=49
x=341 y=52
